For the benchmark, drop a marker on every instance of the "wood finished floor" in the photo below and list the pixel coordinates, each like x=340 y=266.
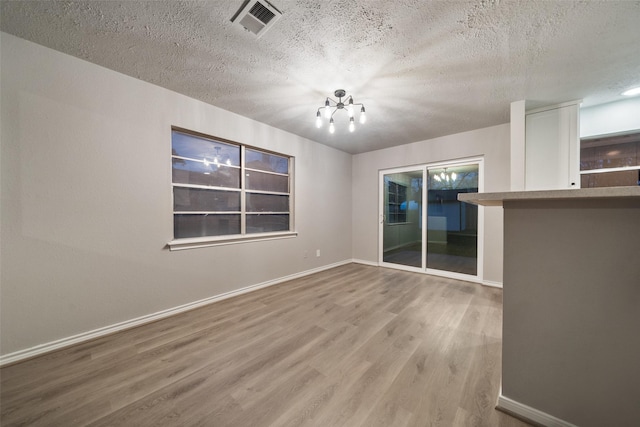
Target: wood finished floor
x=351 y=346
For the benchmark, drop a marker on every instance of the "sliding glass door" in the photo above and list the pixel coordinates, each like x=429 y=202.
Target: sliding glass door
x=452 y=226
x=439 y=236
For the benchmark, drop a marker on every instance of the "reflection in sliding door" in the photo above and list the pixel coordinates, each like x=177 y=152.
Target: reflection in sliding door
x=452 y=226
x=402 y=224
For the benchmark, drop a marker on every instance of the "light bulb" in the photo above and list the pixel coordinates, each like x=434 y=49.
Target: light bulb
x=453 y=176
x=332 y=128
x=363 y=118
x=352 y=126
x=206 y=162
x=632 y=92
x=442 y=175
x=350 y=107
x=327 y=109
x=318 y=120
x=437 y=178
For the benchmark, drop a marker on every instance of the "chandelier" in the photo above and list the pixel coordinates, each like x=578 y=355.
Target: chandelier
x=331 y=106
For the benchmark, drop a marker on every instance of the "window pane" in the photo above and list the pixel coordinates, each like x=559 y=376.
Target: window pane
x=267 y=203
x=402 y=229
x=452 y=226
x=266 y=162
x=199 y=173
x=266 y=182
x=266 y=223
x=198 y=200
x=185 y=226
x=396 y=195
x=194 y=147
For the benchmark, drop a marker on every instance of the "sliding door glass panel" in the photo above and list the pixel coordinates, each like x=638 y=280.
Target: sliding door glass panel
x=452 y=226
x=402 y=224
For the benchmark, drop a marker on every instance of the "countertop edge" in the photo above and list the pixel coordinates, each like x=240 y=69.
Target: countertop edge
x=496 y=199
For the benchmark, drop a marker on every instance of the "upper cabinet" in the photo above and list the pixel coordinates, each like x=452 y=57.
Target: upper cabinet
x=552 y=147
x=545 y=147
x=564 y=146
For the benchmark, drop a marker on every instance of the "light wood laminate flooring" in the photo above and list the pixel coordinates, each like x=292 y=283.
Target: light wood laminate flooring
x=352 y=346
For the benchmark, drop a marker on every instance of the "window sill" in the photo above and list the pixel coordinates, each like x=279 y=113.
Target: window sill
x=205 y=242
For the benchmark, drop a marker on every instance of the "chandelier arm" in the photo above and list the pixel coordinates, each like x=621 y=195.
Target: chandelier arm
x=332 y=100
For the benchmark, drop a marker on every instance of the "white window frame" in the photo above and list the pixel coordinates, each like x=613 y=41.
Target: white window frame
x=243 y=237
x=397 y=203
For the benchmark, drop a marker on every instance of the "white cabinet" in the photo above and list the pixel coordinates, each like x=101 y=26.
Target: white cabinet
x=552 y=147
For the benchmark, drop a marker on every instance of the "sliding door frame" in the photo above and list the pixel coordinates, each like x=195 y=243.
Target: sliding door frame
x=382 y=219
x=479 y=160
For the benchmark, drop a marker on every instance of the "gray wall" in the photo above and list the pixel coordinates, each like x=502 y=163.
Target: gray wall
x=571 y=310
x=86 y=200
x=492 y=143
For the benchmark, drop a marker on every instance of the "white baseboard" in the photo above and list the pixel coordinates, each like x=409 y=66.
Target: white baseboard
x=361 y=261
x=492 y=284
x=530 y=414
x=96 y=333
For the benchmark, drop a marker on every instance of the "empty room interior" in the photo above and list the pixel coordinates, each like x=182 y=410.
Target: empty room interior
x=337 y=213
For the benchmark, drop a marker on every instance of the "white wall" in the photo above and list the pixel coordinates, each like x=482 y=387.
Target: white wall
x=614 y=117
x=86 y=200
x=492 y=143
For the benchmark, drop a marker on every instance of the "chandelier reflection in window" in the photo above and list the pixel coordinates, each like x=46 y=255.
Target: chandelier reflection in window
x=445 y=177
x=331 y=106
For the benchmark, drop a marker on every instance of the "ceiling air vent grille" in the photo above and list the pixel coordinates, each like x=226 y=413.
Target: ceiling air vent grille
x=261 y=13
x=256 y=16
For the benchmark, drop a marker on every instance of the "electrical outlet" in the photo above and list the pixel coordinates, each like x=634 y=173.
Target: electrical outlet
x=317 y=252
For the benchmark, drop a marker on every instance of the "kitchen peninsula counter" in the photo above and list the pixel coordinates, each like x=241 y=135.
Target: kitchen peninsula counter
x=571 y=304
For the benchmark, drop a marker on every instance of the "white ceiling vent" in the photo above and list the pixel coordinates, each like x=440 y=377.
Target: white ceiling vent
x=257 y=16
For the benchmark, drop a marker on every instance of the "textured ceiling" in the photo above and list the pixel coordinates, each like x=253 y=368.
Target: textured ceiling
x=422 y=68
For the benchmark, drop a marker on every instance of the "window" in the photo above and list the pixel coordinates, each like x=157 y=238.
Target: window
x=397 y=204
x=610 y=160
x=228 y=191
